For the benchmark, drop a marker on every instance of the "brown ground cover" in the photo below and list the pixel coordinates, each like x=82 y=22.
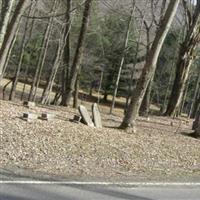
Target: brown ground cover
x=160 y=148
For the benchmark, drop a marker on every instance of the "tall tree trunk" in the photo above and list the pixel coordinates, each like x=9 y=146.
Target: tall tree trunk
x=79 y=52
x=22 y=50
x=150 y=66
x=146 y=102
x=32 y=23
x=5 y=16
x=51 y=78
x=122 y=60
x=59 y=57
x=66 y=57
x=145 y=105
x=10 y=34
x=76 y=92
x=195 y=100
x=42 y=56
x=184 y=62
x=196 y=124
x=184 y=96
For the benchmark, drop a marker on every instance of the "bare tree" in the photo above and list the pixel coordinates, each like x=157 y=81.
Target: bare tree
x=185 y=59
x=145 y=106
x=66 y=57
x=150 y=66
x=126 y=38
x=10 y=34
x=22 y=50
x=5 y=16
x=196 y=98
x=196 y=124
x=42 y=56
x=79 y=52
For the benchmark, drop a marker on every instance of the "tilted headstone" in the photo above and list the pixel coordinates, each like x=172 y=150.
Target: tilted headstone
x=96 y=116
x=85 y=116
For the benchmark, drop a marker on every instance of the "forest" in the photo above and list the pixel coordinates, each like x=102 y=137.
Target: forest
x=143 y=53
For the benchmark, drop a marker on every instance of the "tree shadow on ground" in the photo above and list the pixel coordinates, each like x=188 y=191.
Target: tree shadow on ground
x=191 y=135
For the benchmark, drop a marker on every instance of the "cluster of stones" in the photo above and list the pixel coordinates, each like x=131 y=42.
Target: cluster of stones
x=85 y=118
x=31 y=116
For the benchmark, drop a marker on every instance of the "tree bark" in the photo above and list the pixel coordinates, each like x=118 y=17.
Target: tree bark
x=196 y=124
x=196 y=99
x=42 y=56
x=76 y=92
x=5 y=16
x=122 y=60
x=145 y=106
x=32 y=23
x=185 y=59
x=10 y=34
x=150 y=66
x=51 y=78
x=66 y=57
x=22 y=50
x=79 y=52
x=59 y=57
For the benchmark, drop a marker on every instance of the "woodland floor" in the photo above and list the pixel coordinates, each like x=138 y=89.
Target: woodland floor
x=161 y=148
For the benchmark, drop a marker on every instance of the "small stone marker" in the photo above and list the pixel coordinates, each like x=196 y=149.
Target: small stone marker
x=77 y=119
x=29 y=116
x=85 y=116
x=47 y=116
x=96 y=116
x=29 y=104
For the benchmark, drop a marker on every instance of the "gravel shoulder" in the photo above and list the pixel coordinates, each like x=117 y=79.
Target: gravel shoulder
x=160 y=149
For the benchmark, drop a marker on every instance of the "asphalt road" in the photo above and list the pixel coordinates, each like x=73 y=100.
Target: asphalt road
x=96 y=192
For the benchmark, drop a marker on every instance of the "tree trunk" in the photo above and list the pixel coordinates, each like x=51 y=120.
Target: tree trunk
x=76 y=92
x=42 y=56
x=79 y=52
x=122 y=60
x=22 y=50
x=184 y=62
x=145 y=106
x=66 y=57
x=196 y=99
x=10 y=34
x=5 y=16
x=59 y=57
x=150 y=66
x=32 y=23
x=183 y=100
x=196 y=124
x=146 y=102
x=51 y=78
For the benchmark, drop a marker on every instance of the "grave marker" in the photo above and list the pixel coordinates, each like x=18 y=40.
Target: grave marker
x=29 y=117
x=85 y=116
x=47 y=116
x=96 y=116
x=29 y=104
